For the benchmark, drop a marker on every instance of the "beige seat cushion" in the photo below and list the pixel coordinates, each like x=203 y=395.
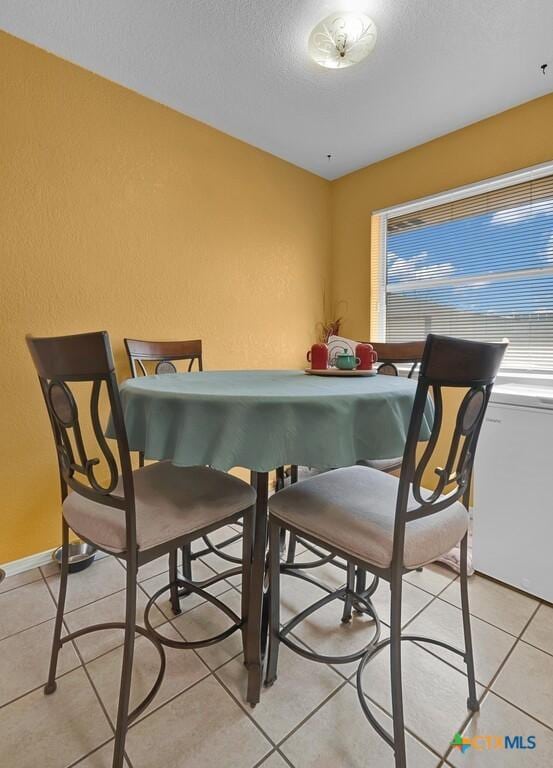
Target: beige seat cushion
x=353 y=511
x=170 y=502
x=384 y=465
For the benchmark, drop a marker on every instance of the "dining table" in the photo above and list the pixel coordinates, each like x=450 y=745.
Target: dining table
x=262 y=420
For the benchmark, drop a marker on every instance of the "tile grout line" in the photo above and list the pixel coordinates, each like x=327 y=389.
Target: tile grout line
x=26 y=629
x=480 y=618
x=278 y=744
x=500 y=629
x=213 y=672
x=170 y=700
x=85 y=670
x=488 y=688
x=314 y=711
x=536 y=647
x=486 y=621
x=284 y=758
x=154 y=709
x=18 y=586
x=414 y=735
x=37 y=688
x=119 y=645
x=347 y=680
x=93 y=752
x=244 y=709
x=515 y=638
x=38 y=623
x=216 y=676
x=265 y=757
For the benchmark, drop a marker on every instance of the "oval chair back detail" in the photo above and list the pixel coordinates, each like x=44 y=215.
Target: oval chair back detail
x=388 y=526
x=138 y=515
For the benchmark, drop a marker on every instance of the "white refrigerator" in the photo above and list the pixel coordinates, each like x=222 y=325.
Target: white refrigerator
x=513 y=490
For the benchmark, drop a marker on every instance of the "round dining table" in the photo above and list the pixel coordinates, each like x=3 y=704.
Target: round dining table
x=262 y=420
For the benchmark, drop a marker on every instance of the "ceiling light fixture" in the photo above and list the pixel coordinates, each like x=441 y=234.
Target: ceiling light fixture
x=342 y=39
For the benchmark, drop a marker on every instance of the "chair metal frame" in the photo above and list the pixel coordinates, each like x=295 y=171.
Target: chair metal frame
x=447 y=362
x=394 y=353
x=390 y=354
x=87 y=358
x=164 y=354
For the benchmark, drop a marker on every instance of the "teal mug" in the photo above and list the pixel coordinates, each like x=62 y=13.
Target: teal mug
x=345 y=361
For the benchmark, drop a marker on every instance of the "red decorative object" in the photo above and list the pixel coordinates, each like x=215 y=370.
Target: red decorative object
x=367 y=356
x=318 y=357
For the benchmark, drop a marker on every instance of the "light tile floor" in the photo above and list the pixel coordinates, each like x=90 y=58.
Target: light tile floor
x=310 y=718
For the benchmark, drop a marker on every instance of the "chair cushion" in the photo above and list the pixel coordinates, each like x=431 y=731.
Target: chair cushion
x=170 y=502
x=352 y=510
x=384 y=465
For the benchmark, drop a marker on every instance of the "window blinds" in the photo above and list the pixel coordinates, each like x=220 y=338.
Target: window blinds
x=480 y=268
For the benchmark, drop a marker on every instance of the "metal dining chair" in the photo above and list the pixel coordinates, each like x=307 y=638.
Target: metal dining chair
x=159 y=357
x=390 y=356
x=389 y=526
x=136 y=515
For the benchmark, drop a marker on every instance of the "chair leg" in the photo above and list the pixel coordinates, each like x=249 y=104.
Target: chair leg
x=126 y=670
x=472 y=701
x=279 y=484
x=361 y=581
x=186 y=564
x=274 y=605
x=173 y=575
x=291 y=555
x=51 y=684
x=360 y=587
x=247 y=555
x=395 y=672
x=348 y=601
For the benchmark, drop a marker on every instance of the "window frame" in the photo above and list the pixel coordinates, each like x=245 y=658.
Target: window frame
x=378 y=265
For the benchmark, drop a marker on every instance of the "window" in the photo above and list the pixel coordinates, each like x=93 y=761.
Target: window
x=478 y=265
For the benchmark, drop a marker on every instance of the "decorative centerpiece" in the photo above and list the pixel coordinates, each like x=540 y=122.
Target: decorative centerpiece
x=343 y=363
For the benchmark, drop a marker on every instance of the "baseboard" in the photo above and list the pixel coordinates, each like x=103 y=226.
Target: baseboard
x=27 y=563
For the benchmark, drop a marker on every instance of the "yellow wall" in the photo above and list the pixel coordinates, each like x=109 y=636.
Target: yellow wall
x=518 y=138
x=119 y=213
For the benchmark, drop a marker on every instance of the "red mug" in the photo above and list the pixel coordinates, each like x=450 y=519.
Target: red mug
x=318 y=357
x=366 y=355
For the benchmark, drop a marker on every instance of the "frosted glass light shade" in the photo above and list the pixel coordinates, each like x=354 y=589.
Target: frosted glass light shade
x=342 y=39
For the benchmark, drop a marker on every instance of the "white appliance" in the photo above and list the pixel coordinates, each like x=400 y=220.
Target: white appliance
x=513 y=489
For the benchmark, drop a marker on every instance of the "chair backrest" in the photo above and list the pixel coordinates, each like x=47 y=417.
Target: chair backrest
x=446 y=362
x=61 y=363
x=163 y=353
x=390 y=354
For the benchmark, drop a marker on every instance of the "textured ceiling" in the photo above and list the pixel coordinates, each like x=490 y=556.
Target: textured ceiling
x=242 y=66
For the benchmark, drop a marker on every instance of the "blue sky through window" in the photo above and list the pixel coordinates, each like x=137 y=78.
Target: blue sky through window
x=507 y=240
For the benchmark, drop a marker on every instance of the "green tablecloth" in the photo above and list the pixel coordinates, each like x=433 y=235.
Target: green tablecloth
x=264 y=419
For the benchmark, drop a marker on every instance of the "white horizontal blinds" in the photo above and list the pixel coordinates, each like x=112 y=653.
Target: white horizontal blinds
x=481 y=268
